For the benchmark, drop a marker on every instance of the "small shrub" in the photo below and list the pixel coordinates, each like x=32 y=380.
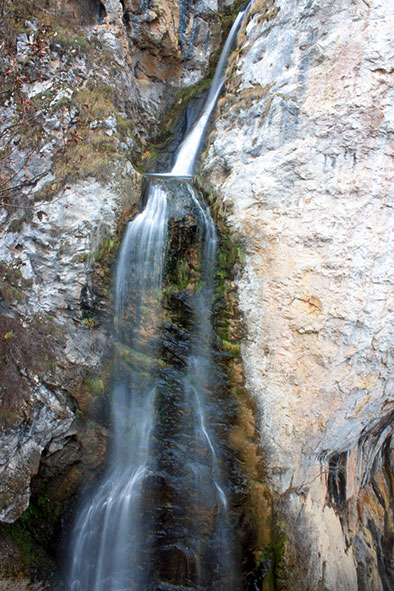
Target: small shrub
x=96 y=101
x=20 y=346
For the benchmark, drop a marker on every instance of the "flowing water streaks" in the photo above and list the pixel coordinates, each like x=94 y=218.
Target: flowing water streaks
x=189 y=149
x=160 y=519
x=108 y=542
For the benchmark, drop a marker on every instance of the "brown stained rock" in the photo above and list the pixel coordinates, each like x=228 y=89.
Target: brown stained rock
x=54 y=243
x=12 y=559
x=176 y=566
x=93 y=440
x=148 y=67
x=370 y=518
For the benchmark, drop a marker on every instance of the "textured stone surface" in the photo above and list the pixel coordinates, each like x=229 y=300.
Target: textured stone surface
x=57 y=234
x=171 y=45
x=52 y=258
x=21 y=447
x=301 y=160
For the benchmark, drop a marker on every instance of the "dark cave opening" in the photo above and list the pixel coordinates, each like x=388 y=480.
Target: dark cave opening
x=99 y=11
x=126 y=17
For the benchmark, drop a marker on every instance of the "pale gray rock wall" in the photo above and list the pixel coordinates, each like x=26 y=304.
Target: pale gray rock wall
x=52 y=230
x=301 y=161
x=53 y=255
x=171 y=45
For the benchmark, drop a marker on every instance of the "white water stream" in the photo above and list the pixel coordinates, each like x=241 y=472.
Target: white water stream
x=116 y=541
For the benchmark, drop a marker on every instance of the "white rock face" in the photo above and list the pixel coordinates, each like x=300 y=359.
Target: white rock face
x=53 y=255
x=302 y=160
x=49 y=241
x=56 y=247
x=51 y=423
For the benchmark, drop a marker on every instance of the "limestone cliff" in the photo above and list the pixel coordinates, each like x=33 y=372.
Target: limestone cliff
x=301 y=162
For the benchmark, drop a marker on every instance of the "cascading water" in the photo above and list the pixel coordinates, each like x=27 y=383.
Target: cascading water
x=161 y=516
x=108 y=547
x=190 y=147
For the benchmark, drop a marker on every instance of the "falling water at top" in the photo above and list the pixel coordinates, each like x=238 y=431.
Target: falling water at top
x=160 y=518
x=188 y=151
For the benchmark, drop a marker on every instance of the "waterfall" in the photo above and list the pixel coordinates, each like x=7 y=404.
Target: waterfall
x=108 y=535
x=160 y=518
x=188 y=151
x=190 y=147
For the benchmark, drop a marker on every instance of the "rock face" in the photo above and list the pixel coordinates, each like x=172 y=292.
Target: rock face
x=51 y=264
x=301 y=162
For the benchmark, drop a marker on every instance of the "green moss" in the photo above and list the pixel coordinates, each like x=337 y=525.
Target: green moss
x=106 y=250
x=33 y=531
x=20 y=533
x=11 y=294
x=173 y=115
x=131 y=357
x=79 y=258
x=231 y=347
x=104 y=258
x=12 y=284
x=228 y=16
x=182 y=98
x=274 y=552
x=182 y=277
x=230 y=257
x=95 y=386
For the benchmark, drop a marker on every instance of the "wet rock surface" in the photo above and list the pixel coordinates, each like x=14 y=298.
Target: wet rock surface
x=300 y=161
x=49 y=290
x=187 y=508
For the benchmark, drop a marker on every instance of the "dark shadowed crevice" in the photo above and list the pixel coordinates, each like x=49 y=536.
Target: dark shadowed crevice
x=386 y=572
x=126 y=17
x=185 y=12
x=85 y=12
x=336 y=483
x=100 y=11
x=95 y=11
